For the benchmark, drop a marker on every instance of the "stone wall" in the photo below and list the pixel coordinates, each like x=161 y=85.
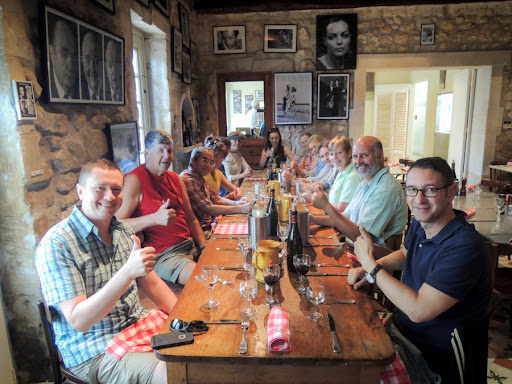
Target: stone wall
x=381 y=30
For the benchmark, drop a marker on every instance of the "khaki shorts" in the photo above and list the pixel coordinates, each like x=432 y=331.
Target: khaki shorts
x=133 y=368
x=170 y=262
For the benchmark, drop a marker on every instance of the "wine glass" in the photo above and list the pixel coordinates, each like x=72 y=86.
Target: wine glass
x=210 y=275
x=302 y=263
x=271 y=276
x=282 y=232
x=316 y=295
x=477 y=191
x=499 y=204
x=244 y=243
x=248 y=290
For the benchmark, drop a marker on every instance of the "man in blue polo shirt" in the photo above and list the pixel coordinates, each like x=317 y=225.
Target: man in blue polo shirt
x=446 y=284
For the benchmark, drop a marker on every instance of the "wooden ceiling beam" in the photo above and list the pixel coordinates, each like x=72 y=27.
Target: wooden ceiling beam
x=237 y=6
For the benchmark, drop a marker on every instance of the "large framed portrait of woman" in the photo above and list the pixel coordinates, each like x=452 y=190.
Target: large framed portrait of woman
x=336 y=42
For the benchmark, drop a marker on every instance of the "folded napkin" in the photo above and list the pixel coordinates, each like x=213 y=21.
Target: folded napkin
x=470 y=212
x=255 y=179
x=278 y=330
x=231 y=229
x=405 y=169
x=509 y=163
x=394 y=164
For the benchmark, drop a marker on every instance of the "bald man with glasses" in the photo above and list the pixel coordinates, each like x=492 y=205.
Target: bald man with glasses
x=205 y=202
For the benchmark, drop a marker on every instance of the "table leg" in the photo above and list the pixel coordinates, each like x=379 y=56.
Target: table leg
x=176 y=373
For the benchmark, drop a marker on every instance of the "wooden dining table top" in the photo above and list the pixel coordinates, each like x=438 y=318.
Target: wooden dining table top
x=362 y=337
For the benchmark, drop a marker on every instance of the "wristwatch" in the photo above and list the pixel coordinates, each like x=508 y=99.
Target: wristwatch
x=370 y=276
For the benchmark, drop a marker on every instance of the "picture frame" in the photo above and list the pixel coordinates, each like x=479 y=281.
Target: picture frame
x=195 y=103
x=333 y=95
x=194 y=70
x=25 y=100
x=177 y=51
x=329 y=56
x=427 y=35
x=237 y=101
x=258 y=94
x=144 y=3
x=248 y=102
x=87 y=45
x=293 y=98
x=163 y=6
x=124 y=146
x=187 y=76
x=184 y=25
x=229 y=39
x=280 y=38
x=108 y=5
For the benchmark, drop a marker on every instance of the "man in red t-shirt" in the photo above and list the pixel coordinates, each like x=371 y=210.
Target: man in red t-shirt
x=155 y=200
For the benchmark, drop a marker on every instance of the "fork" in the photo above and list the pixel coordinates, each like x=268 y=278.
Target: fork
x=243 y=344
x=224 y=282
x=330 y=265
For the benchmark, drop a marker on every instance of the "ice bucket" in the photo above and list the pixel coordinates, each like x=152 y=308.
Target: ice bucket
x=258 y=228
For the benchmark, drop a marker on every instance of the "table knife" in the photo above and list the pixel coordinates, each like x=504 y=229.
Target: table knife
x=224 y=322
x=227 y=249
x=324 y=245
x=235 y=221
x=227 y=238
x=341 y=301
x=326 y=274
x=230 y=268
x=332 y=325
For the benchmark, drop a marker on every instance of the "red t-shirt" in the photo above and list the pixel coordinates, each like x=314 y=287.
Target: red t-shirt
x=161 y=237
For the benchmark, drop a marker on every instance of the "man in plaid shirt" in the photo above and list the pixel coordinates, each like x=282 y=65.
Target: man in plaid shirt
x=88 y=264
x=205 y=202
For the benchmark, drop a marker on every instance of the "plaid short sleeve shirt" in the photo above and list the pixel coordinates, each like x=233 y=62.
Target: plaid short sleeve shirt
x=72 y=260
x=200 y=195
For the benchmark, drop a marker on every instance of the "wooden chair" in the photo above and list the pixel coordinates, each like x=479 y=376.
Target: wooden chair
x=405 y=162
x=60 y=372
x=497 y=186
x=496 y=174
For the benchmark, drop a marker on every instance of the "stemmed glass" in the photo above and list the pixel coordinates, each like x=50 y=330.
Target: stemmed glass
x=477 y=191
x=244 y=243
x=499 y=204
x=248 y=290
x=271 y=277
x=302 y=263
x=316 y=295
x=282 y=232
x=210 y=275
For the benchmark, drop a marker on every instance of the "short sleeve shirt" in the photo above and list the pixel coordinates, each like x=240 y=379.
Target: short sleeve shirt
x=379 y=206
x=71 y=261
x=200 y=195
x=344 y=186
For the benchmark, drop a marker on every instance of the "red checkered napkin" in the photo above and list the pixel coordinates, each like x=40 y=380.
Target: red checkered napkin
x=231 y=229
x=255 y=179
x=278 y=330
x=395 y=373
x=470 y=212
x=137 y=337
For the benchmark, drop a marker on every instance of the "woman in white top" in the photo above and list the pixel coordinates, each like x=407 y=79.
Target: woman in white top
x=235 y=166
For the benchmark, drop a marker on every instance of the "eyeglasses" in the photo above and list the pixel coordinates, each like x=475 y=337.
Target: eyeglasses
x=195 y=326
x=207 y=160
x=427 y=192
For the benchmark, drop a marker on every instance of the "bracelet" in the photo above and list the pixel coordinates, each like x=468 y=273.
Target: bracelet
x=234 y=202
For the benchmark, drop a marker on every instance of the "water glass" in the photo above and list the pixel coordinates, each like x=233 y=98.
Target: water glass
x=499 y=204
x=248 y=290
x=478 y=191
x=244 y=243
x=210 y=275
x=282 y=232
x=316 y=295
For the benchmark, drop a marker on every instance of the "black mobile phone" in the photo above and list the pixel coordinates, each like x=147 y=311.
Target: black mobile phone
x=172 y=339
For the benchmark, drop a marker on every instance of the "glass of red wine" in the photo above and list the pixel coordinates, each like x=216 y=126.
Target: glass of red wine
x=302 y=263
x=271 y=276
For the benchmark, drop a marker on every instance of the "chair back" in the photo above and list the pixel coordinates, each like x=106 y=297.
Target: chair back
x=394 y=242
x=497 y=186
x=59 y=370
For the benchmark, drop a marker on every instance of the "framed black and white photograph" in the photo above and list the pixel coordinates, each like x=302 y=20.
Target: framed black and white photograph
x=163 y=6
x=194 y=70
x=177 y=51
x=336 y=42
x=333 y=92
x=195 y=102
x=187 y=77
x=248 y=102
x=427 y=36
x=258 y=94
x=293 y=98
x=144 y=3
x=82 y=63
x=184 y=25
x=229 y=39
x=280 y=38
x=123 y=141
x=107 y=4
x=25 y=101
x=237 y=101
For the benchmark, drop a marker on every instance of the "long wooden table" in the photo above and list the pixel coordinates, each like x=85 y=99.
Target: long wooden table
x=213 y=357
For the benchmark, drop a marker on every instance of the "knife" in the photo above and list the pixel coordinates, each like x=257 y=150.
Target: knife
x=228 y=249
x=332 y=325
x=229 y=268
x=224 y=322
x=324 y=245
x=327 y=274
x=228 y=238
x=235 y=221
x=342 y=301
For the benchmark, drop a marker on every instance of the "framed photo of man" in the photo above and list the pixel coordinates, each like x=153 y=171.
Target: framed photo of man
x=123 y=142
x=163 y=6
x=280 y=38
x=336 y=41
x=187 y=76
x=293 y=98
x=427 y=34
x=177 y=51
x=82 y=63
x=229 y=39
x=184 y=25
x=25 y=101
x=333 y=96
x=107 y=4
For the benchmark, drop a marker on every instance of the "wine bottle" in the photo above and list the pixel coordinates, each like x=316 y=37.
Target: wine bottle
x=273 y=212
x=294 y=243
x=299 y=201
x=269 y=169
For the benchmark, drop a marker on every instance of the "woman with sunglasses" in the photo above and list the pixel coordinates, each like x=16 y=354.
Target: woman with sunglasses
x=274 y=142
x=216 y=178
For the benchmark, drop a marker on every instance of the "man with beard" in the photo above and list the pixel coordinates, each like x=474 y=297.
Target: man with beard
x=91 y=60
x=379 y=203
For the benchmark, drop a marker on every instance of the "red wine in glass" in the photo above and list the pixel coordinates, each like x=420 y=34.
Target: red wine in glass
x=271 y=279
x=303 y=269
